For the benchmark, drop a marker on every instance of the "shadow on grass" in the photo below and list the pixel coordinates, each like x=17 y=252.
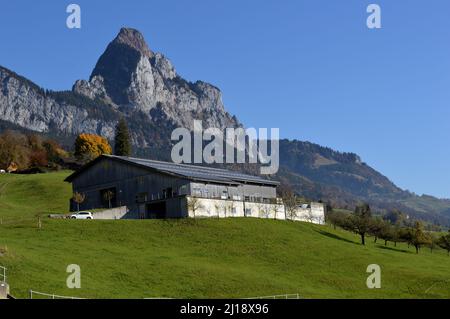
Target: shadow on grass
x=334 y=236
x=395 y=249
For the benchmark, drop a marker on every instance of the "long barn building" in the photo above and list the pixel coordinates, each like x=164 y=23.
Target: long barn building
x=154 y=189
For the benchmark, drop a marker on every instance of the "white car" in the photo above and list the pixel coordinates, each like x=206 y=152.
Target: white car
x=82 y=215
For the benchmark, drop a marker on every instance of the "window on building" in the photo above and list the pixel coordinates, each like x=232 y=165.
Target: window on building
x=140 y=180
x=224 y=194
x=196 y=191
x=248 y=212
x=183 y=190
x=204 y=193
x=142 y=197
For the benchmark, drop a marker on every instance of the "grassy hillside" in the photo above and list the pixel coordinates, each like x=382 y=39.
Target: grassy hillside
x=26 y=196
x=240 y=257
x=343 y=180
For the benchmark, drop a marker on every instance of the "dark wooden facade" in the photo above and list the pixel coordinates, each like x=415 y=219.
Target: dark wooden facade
x=110 y=182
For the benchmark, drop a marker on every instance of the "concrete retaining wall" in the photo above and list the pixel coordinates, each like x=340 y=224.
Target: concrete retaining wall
x=222 y=208
x=313 y=214
x=114 y=213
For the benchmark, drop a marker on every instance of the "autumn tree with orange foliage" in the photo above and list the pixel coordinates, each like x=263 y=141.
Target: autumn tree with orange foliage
x=14 y=150
x=19 y=152
x=91 y=146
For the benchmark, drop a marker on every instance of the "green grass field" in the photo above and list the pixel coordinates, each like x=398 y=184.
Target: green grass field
x=228 y=258
x=26 y=196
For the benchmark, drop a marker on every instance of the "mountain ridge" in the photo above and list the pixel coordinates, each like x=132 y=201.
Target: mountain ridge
x=130 y=80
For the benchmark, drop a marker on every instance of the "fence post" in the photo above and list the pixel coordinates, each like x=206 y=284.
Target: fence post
x=39 y=222
x=31 y=294
x=3 y=273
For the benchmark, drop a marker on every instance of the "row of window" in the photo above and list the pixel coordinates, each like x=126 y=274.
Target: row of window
x=248 y=212
x=197 y=191
x=200 y=192
x=164 y=194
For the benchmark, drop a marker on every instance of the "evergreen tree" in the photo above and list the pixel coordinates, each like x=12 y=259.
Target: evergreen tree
x=122 y=145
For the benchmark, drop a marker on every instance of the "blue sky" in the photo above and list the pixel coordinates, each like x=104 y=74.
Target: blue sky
x=311 y=68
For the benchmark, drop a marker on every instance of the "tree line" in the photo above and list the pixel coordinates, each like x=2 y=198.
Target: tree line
x=19 y=152
x=392 y=227
x=24 y=152
x=91 y=146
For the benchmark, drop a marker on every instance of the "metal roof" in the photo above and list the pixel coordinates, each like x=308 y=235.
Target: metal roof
x=192 y=172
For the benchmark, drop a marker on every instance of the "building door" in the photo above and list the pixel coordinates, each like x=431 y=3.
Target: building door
x=156 y=210
x=142 y=211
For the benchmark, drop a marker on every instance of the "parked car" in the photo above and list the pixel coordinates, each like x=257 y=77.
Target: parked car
x=82 y=215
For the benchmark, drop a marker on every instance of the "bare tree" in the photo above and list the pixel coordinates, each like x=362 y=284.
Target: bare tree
x=232 y=207
x=78 y=198
x=310 y=216
x=290 y=204
x=217 y=206
x=225 y=208
x=266 y=211
x=194 y=204
x=108 y=196
x=320 y=220
x=275 y=209
x=260 y=207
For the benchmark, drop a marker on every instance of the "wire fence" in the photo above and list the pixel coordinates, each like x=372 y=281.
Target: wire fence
x=285 y=296
x=41 y=295
x=35 y=222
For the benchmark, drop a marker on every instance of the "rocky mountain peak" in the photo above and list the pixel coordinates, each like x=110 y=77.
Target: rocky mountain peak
x=129 y=74
x=134 y=39
x=125 y=61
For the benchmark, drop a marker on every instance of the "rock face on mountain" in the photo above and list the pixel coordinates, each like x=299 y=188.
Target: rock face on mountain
x=131 y=81
x=129 y=74
x=25 y=104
